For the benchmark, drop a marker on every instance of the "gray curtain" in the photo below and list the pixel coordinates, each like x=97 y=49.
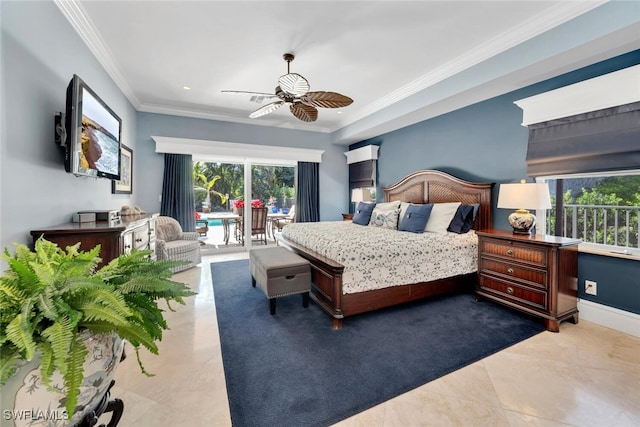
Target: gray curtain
x=308 y=194
x=177 y=190
x=597 y=141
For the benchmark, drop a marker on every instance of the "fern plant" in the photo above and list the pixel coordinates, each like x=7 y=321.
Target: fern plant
x=49 y=296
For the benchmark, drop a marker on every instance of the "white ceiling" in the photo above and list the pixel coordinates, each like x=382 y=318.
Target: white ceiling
x=376 y=52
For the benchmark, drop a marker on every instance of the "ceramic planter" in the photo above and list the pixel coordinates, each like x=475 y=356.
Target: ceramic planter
x=26 y=401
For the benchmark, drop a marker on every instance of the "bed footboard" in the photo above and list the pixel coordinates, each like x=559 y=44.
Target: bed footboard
x=326 y=280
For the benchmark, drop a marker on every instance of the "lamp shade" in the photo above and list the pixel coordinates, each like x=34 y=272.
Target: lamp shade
x=524 y=196
x=360 y=195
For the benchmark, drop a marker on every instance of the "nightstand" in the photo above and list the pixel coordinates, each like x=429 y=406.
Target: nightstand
x=347 y=216
x=534 y=274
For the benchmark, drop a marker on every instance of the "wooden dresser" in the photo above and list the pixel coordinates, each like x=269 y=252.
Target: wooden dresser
x=535 y=274
x=131 y=232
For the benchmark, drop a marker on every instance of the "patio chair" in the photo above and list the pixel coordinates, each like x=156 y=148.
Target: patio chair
x=291 y=217
x=202 y=227
x=258 y=224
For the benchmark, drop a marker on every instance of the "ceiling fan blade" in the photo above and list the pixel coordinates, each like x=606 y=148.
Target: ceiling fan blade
x=306 y=113
x=293 y=84
x=326 y=99
x=269 y=108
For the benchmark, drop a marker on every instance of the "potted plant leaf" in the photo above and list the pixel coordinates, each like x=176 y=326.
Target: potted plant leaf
x=58 y=311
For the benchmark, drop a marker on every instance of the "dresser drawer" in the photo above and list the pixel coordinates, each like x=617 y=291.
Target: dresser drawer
x=534 y=255
x=524 y=296
x=532 y=277
x=141 y=237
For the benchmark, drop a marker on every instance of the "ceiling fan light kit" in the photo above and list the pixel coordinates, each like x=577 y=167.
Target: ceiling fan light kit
x=294 y=89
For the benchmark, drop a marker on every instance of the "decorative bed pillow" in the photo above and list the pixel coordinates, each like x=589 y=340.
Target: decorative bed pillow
x=415 y=218
x=462 y=221
x=385 y=218
x=441 y=216
x=389 y=206
x=363 y=212
x=385 y=215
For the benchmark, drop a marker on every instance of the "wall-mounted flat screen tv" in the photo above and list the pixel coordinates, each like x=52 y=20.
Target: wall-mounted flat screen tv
x=93 y=134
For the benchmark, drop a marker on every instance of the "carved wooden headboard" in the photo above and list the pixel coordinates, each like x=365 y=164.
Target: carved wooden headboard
x=432 y=186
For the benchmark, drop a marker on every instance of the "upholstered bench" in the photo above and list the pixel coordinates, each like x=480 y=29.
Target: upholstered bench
x=280 y=272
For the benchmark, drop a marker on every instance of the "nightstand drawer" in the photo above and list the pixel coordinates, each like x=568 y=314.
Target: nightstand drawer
x=532 y=276
x=521 y=295
x=530 y=254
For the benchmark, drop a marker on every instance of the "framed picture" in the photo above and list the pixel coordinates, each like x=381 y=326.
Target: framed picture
x=125 y=184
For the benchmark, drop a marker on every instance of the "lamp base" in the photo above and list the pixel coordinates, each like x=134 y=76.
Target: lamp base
x=522 y=221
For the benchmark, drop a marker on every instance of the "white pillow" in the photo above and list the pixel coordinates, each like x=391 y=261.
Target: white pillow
x=403 y=210
x=441 y=216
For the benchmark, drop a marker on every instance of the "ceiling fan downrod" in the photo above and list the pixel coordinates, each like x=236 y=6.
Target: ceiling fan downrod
x=288 y=57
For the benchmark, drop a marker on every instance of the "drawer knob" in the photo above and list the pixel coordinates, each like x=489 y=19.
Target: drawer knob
x=510 y=271
x=510 y=252
x=510 y=290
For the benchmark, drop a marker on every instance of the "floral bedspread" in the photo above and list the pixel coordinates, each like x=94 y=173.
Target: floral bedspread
x=376 y=258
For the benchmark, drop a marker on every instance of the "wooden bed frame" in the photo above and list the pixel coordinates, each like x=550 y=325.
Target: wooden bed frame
x=426 y=186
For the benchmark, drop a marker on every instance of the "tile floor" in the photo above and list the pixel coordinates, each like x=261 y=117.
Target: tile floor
x=586 y=375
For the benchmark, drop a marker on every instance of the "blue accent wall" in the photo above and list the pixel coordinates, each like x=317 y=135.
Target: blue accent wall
x=618 y=281
x=486 y=142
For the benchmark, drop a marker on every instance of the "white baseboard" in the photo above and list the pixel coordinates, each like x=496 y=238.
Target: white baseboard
x=620 y=320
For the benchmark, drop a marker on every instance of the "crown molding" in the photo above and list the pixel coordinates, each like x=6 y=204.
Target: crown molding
x=209 y=115
x=536 y=25
x=80 y=21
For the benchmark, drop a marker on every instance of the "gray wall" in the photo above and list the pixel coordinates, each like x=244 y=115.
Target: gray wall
x=485 y=142
x=333 y=168
x=40 y=52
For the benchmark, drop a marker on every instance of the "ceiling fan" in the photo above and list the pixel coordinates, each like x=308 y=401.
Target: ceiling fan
x=294 y=89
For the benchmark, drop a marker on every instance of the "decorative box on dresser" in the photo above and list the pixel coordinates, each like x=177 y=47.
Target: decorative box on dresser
x=114 y=238
x=534 y=274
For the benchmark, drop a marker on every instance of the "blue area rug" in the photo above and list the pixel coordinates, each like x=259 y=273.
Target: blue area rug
x=292 y=369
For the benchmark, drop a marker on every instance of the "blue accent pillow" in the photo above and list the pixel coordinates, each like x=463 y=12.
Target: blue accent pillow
x=415 y=218
x=363 y=212
x=462 y=221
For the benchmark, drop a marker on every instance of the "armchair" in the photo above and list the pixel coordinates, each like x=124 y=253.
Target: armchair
x=174 y=244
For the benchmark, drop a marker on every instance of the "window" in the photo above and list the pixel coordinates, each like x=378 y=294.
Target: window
x=601 y=210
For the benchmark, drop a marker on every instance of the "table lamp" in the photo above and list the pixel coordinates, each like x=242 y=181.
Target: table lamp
x=360 y=195
x=522 y=197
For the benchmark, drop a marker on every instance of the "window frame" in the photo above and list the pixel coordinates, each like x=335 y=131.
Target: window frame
x=590 y=247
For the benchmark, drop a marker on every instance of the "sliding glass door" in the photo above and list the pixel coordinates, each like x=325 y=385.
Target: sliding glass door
x=238 y=205
x=272 y=193
x=218 y=189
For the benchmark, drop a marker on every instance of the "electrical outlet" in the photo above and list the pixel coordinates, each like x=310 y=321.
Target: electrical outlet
x=590 y=287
